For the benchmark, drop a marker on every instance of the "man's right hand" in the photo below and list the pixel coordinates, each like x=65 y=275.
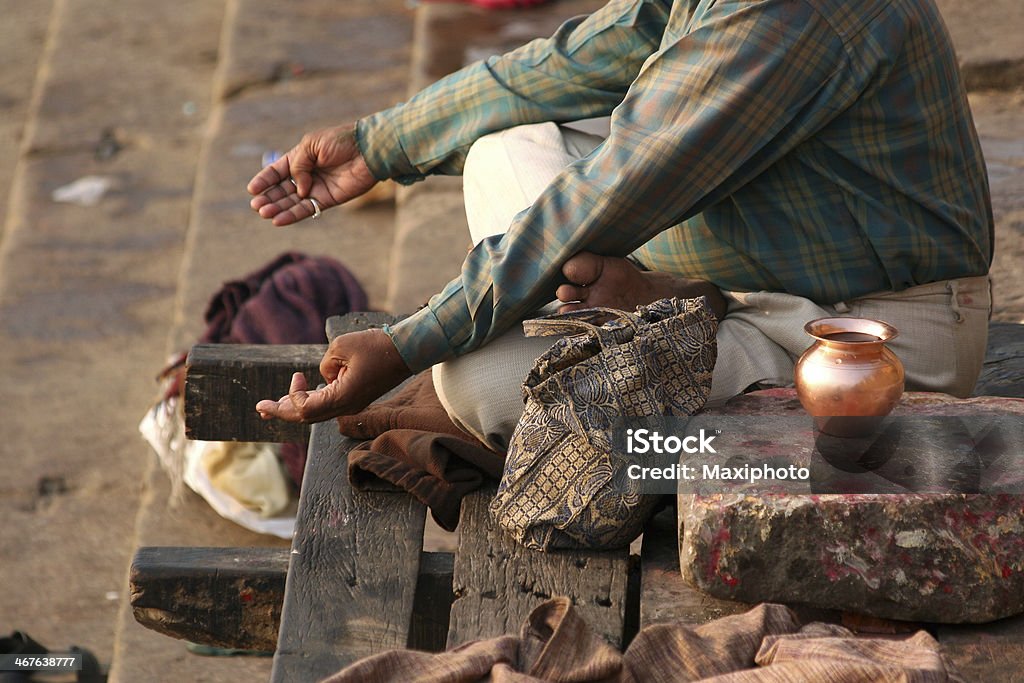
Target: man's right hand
x=326 y=166
x=360 y=368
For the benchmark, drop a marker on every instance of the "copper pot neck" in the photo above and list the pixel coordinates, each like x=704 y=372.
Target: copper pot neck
x=851 y=333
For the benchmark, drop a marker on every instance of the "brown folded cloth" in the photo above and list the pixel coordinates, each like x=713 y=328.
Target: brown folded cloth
x=766 y=644
x=413 y=445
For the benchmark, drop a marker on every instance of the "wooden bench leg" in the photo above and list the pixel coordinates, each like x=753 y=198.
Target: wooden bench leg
x=498 y=582
x=232 y=597
x=355 y=561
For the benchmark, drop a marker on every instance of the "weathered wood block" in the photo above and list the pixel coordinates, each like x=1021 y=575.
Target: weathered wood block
x=922 y=557
x=232 y=597
x=224 y=597
x=354 y=567
x=498 y=582
x=223 y=383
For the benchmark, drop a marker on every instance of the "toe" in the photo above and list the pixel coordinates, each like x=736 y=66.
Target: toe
x=567 y=293
x=584 y=268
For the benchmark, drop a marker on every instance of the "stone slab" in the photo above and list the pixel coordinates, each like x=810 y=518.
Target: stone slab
x=944 y=558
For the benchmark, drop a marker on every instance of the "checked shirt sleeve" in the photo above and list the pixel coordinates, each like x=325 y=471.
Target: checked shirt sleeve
x=583 y=70
x=727 y=94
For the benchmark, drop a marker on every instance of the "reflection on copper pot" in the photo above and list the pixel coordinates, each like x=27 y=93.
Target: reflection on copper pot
x=848 y=379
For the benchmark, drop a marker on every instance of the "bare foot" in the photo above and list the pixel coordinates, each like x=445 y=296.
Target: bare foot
x=617 y=283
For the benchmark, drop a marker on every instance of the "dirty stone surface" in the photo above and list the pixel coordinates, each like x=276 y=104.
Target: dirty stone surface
x=947 y=558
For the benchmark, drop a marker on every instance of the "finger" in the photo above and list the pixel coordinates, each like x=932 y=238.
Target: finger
x=289 y=406
x=298 y=388
x=290 y=209
x=271 y=175
x=283 y=204
x=300 y=210
x=571 y=293
x=330 y=367
x=281 y=409
x=273 y=194
x=300 y=167
x=318 y=405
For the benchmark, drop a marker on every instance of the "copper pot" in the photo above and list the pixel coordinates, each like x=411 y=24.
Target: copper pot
x=848 y=379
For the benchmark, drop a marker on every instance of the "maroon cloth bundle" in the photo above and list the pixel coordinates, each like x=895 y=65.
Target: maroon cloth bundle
x=287 y=301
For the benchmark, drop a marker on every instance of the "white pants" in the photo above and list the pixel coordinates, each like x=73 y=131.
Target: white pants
x=943 y=326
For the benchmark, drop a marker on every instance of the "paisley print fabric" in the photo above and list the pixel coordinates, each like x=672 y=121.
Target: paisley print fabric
x=563 y=486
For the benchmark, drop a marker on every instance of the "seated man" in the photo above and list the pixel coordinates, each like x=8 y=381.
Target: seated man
x=790 y=159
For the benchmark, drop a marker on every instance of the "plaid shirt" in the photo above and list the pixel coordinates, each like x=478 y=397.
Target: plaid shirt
x=818 y=147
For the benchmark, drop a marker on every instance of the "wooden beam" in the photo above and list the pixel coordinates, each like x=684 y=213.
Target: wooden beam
x=498 y=582
x=223 y=383
x=232 y=597
x=354 y=567
x=224 y=597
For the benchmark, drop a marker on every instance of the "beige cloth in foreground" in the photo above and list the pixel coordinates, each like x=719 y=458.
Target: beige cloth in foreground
x=765 y=644
x=943 y=326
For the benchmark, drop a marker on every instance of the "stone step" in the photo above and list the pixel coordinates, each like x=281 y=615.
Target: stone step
x=279 y=74
x=23 y=46
x=86 y=290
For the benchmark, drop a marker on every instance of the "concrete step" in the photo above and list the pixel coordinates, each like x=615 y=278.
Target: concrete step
x=431 y=219
x=23 y=47
x=86 y=291
x=280 y=73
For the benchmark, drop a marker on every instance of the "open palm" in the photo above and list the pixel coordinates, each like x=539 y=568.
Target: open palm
x=325 y=166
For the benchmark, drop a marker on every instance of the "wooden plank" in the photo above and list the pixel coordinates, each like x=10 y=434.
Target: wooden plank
x=498 y=582
x=224 y=382
x=1003 y=372
x=354 y=566
x=986 y=652
x=232 y=597
x=224 y=597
